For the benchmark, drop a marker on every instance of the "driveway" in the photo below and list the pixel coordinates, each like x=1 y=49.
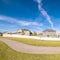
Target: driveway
x=21 y=47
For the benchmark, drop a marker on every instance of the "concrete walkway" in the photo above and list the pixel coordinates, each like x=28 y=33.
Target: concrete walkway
x=20 y=47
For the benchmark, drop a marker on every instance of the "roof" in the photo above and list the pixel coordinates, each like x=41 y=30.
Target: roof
x=24 y=29
x=49 y=30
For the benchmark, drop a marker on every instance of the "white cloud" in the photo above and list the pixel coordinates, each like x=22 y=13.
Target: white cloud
x=19 y=22
x=44 y=13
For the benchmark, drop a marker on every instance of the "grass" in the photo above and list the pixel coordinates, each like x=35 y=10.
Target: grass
x=36 y=42
x=0 y=36
x=7 y=53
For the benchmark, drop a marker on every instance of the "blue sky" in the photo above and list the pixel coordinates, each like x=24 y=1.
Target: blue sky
x=35 y=15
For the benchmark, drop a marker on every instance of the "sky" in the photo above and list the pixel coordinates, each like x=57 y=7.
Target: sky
x=34 y=15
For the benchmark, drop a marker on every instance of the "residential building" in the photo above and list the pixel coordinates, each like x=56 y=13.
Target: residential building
x=24 y=32
x=48 y=33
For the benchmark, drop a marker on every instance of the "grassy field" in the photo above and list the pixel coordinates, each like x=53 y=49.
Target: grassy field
x=0 y=36
x=36 y=42
x=7 y=53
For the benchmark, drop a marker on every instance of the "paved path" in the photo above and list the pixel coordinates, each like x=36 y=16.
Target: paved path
x=20 y=47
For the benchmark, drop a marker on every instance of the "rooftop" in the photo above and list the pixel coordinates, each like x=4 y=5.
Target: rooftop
x=49 y=30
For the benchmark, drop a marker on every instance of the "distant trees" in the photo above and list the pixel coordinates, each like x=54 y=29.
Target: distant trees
x=1 y=34
x=34 y=34
x=23 y=32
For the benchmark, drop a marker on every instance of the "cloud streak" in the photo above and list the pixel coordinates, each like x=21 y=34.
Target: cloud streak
x=44 y=13
x=19 y=22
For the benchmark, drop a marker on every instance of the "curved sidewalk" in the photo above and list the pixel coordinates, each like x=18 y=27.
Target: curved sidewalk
x=20 y=47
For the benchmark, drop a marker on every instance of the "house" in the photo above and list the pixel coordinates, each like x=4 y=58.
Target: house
x=58 y=35
x=48 y=33
x=24 y=32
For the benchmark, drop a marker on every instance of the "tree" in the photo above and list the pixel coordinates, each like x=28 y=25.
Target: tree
x=23 y=32
x=34 y=34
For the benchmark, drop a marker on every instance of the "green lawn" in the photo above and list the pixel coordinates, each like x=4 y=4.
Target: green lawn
x=7 y=53
x=0 y=36
x=36 y=42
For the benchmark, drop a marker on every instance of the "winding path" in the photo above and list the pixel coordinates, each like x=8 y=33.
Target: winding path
x=20 y=47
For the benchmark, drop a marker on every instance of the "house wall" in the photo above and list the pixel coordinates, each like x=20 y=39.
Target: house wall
x=59 y=35
x=49 y=34
x=19 y=30
x=27 y=33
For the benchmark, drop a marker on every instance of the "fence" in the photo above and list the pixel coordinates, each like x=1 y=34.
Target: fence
x=31 y=37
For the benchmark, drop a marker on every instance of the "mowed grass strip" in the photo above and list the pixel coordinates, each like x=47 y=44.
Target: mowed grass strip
x=36 y=42
x=7 y=53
